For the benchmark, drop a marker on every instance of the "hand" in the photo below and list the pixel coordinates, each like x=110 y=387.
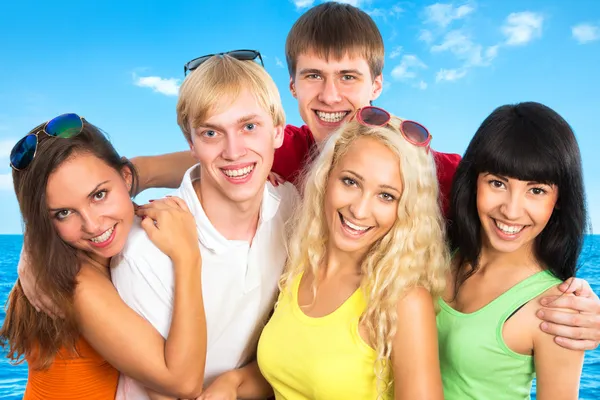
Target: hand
x=223 y=388
x=275 y=179
x=171 y=227
x=39 y=300
x=575 y=331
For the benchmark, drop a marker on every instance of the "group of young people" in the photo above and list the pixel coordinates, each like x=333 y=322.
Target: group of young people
x=344 y=259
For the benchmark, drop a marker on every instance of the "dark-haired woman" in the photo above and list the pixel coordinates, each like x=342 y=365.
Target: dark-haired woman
x=519 y=219
x=74 y=191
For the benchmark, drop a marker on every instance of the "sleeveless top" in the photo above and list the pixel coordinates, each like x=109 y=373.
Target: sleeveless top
x=475 y=361
x=318 y=358
x=87 y=376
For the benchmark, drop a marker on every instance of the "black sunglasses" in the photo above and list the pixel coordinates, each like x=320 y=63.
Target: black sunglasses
x=242 y=55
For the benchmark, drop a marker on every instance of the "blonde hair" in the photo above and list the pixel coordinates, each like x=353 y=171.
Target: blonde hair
x=218 y=82
x=413 y=253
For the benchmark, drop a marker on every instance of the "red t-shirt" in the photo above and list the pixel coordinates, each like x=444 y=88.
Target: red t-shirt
x=298 y=144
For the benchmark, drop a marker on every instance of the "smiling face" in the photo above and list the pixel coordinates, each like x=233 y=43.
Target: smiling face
x=513 y=212
x=89 y=205
x=235 y=147
x=330 y=91
x=361 y=200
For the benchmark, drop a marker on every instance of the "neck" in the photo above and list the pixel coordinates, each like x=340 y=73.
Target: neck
x=235 y=221
x=491 y=259
x=340 y=262
x=102 y=264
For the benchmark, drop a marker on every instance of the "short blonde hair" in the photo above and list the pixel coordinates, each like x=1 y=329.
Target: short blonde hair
x=413 y=253
x=218 y=82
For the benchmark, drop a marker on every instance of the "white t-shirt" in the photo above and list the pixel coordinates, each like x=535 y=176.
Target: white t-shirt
x=239 y=281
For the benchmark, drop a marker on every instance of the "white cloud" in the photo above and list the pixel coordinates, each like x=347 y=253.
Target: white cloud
x=521 y=28
x=408 y=67
x=422 y=85
x=426 y=36
x=585 y=33
x=303 y=3
x=6 y=182
x=279 y=63
x=354 y=3
x=6 y=146
x=384 y=13
x=450 y=75
x=464 y=49
x=166 y=86
x=443 y=14
x=395 y=52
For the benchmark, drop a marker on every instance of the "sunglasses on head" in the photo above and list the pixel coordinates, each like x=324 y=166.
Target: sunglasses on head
x=64 y=126
x=412 y=131
x=242 y=55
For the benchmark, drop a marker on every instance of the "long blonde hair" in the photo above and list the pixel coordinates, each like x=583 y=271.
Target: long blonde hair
x=413 y=253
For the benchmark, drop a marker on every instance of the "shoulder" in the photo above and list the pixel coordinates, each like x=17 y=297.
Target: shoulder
x=139 y=253
x=416 y=302
x=287 y=196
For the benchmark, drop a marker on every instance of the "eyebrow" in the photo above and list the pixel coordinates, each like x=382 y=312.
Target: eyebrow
x=529 y=183
x=307 y=71
x=89 y=195
x=362 y=179
x=239 y=121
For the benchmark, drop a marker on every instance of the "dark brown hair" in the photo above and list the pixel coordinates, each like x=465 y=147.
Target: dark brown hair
x=53 y=262
x=333 y=30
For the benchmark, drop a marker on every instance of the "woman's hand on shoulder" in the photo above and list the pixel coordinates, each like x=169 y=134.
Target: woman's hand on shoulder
x=171 y=227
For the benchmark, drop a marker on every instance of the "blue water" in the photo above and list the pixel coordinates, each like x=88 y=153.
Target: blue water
x=14 y=378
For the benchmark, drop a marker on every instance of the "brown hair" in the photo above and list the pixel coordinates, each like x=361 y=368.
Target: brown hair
x=333 y=30
x=53 y=262
x=221 y=79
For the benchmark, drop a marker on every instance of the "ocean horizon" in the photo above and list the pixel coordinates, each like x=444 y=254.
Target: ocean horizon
x=13 y=378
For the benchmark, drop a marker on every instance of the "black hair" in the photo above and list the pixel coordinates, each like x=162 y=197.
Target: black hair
x=530 y=142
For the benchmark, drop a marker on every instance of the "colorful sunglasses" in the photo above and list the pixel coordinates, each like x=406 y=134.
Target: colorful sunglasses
x=242 y=55
x=412 y=131
x=64 y=126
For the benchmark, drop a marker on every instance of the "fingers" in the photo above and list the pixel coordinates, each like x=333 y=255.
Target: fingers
x=149 y=227
x=572 y=344
x=182 y=204
x=576 y=303
x=577 y=286
x=275 y=179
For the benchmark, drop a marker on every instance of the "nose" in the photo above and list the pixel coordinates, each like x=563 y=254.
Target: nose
x=90 y=222
x=330 y=93
x=512 y=206
x=235 y=147
x=360 y=207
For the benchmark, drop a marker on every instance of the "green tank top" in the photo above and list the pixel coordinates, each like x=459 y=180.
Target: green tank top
x=475 y=362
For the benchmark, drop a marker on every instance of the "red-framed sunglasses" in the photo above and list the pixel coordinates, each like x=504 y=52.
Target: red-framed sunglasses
x=412 y=131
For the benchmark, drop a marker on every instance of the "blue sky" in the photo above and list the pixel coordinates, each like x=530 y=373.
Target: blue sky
x=448 y=65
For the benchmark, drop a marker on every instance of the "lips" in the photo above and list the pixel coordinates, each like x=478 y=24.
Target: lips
x=353 y=229
x=240 y=172
x=331 y=117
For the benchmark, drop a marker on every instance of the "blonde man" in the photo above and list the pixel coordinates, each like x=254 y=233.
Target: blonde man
x=231 y=115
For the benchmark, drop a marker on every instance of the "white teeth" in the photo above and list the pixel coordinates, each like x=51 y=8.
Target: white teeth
x=331 y=117
x=238 y=173
x=355 y=227
x=104 y=237
x=509 y=229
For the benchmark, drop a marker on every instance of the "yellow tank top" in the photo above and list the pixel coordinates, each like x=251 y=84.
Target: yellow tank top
x=317 y=358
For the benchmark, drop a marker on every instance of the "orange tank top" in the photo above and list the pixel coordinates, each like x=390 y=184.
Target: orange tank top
x=87 y=376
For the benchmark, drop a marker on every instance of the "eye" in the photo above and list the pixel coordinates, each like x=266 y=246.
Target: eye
x=209 y=134
x=349 y=181
x=62 y=214
x=538 y=191
x=100 y=195
x=496 y=184
x=250 y=126
x=387 y=197
x=313 y=76
x=348 y=78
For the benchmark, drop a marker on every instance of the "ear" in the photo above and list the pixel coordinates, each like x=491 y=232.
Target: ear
x=127 y=175
x=278 y=138
x=377 y=87
x=293 y=87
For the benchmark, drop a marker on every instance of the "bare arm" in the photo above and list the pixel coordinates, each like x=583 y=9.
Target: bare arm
x=558 y=369
x=242 y=383
x=162 y=171
x=129 y=342
x=415 y=358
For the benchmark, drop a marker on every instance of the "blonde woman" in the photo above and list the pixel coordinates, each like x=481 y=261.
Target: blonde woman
x=355 y=318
